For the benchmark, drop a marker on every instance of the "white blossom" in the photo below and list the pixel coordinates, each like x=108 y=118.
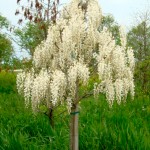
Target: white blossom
x=75 y=50
x=76 y=72
x=110 y=92
x=58 y=86
x=28 y=83
x=130 y=56
x=118 y=85
x=115 y=67
x=69 y=104
x=40 y=89
x=20 y=82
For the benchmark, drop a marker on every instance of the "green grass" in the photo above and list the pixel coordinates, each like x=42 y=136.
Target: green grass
x=124 y=127
x=7 y=82
x=20 y=129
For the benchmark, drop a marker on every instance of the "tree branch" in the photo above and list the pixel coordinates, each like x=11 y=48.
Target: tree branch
x=86 y=95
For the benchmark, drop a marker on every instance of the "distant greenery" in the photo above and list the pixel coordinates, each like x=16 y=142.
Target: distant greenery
x=118 y=128
x=7 y=82
x=6 y=48
x=30 y=36
x=139 y=39
x=3 y=22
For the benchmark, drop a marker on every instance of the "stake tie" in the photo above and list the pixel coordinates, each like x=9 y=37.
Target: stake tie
x=74 y=113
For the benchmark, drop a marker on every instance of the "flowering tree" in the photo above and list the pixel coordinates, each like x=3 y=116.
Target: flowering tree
x=74 y=53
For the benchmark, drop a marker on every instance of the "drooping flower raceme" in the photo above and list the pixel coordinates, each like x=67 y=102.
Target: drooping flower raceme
x=20 y=82
x=76 y=72
x=58 y=86
x=40 y=89
x=115 y=67
x=75 y=51
x=28 y=83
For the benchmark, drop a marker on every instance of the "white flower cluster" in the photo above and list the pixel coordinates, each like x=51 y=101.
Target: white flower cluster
x=24 y=85
x=69 y=38
x=66 y=59
x=58 y=86
x=77 y=72
x=20 y=82
x=115 y=68
x=28 y=87
x=40 y=89
x=131 y=60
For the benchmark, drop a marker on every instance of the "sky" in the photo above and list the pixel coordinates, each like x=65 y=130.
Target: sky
x=122 y=10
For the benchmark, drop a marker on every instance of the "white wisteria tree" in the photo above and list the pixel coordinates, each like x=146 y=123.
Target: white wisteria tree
x=74 y=52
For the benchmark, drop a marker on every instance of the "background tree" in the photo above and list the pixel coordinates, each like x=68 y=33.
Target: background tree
x=74 y=54
x=29 y=37
x=138 y=39
x=6 y=49
x=38 y=11
x=36 y=15
x=3 y=23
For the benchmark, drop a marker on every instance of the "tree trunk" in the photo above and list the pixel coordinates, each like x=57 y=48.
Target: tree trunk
x=51 y=117
x=74 y=128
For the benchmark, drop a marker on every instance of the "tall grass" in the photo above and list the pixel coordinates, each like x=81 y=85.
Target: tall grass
x=7 y=82
x=124 y=127
x=121 y=127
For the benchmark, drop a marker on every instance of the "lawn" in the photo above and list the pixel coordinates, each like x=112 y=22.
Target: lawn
x=122 y=127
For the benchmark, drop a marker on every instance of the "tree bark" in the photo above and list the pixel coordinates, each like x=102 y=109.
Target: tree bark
x=74 y=142
x=51 y=117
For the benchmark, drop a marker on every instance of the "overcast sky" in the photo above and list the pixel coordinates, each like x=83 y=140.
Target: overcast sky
x=122 y=10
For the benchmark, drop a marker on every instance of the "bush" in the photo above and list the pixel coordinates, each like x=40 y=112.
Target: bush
x=7 y=82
